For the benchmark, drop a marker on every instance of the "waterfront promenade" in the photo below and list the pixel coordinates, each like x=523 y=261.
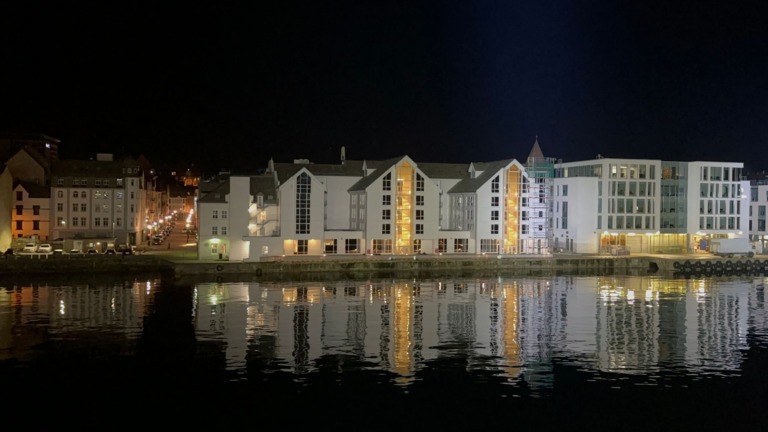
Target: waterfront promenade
x=176 y=259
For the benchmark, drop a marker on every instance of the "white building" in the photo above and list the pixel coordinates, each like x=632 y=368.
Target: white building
x=402 y=207
x=620 y=206
x=391 y=207
x=758 y=204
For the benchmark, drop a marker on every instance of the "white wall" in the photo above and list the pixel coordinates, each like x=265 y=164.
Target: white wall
x=582 y=214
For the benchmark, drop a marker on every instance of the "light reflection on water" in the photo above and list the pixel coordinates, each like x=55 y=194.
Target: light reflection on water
x=626 y=325
x=512 y=338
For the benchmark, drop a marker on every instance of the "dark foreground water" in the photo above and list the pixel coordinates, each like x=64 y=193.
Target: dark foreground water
x=562 y=353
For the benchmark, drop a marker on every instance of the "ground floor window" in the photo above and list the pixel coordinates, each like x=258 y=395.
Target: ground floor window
x=489 y=245
x=382 y=246
x=330 y=246
x=460 y=245
x=301 y=247
x=417 y=246
x=351 y=246
x=442 y=245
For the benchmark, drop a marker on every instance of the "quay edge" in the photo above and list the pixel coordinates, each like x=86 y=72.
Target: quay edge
x=327 y=268
x=418 y=266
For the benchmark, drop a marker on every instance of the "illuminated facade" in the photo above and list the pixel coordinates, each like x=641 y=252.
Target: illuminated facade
x=391 y=207
x=619 y=206
x=95 y=202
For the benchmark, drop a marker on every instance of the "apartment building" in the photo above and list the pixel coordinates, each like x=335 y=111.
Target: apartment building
x=31 y=213
x=390 y=207
x=98 y=201
x=620 y=206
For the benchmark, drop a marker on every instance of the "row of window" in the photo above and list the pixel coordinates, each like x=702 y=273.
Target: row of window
x=35 y=225
x=96 y=182
x=84 y=194
x=386 y=183
x=20 y=210
x=97 y=222
x=387 y=228
x=387 y=200
x=386 y=214
x=215 y=230
x=385 y=246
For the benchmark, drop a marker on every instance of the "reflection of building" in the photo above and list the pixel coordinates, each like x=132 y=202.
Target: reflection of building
x=521 y=327
x=72 y=312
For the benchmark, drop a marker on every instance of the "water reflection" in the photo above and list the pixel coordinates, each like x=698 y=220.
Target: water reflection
x=628 y=325
x=518 y=329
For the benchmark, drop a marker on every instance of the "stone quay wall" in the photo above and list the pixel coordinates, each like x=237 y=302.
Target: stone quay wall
x=317 y=268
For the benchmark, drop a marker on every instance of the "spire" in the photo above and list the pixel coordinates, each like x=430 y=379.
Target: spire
x=536 y=152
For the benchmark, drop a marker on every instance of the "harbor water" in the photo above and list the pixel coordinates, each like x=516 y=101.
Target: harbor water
x=536 y=353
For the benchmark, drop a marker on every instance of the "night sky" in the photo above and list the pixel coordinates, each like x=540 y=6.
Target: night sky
x=232 y=84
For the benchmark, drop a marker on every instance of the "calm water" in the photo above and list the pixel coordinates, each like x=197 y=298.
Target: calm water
x=618 y=353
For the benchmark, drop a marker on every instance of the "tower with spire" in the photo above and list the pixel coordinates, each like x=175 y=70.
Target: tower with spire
x=540 y=191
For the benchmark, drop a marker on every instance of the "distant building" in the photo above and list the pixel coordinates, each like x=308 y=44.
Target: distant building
x=46 y=146
x=98 y=201
x=6 y=207
x=31 y=214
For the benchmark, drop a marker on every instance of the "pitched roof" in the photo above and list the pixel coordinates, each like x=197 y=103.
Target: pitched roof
x=216 y=195
x=536 y=152
x=382 y=167
x=490 y=169
x=37 y=157
x=93 y=168
x=35 y=190
x=348 y=168
x=445 y=170
x=265 y=185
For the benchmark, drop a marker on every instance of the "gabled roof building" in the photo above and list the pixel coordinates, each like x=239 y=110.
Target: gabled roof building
x=391 y=207
x=400 y=206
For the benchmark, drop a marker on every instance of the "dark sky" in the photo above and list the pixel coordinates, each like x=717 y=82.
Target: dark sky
x=231 y=84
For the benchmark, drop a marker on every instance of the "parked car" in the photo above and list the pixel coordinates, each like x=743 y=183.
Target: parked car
x=58 y=252
x=30 y=247
x=110 y=251
x=91 y=252
x=45 y=248
x=75 y=251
